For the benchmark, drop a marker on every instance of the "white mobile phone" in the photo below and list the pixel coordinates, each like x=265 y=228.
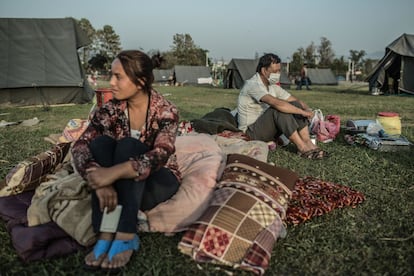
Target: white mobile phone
x=109 y=223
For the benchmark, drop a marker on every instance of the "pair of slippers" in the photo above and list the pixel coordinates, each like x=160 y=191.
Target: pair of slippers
x=112 y=248
x=314 y=154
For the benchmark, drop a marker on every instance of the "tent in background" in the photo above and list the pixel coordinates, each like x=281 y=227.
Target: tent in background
x=397 y=64
x=322 y=76
x=40 y=63
x=163 y=76
x=193 y=75
x=240 y=70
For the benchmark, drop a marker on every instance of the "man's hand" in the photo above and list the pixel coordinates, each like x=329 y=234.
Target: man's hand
x=308 y=114
x=107 y=198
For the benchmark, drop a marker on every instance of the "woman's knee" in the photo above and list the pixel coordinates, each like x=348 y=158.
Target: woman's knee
x=159 y=187
x=101 y=142
x=129 y=147
x=131 y=144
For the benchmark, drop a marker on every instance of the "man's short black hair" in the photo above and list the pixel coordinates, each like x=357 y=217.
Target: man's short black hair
x=266 y=60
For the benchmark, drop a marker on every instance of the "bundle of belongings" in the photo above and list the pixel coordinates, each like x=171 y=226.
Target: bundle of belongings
x=382 y=134
x=325 y=128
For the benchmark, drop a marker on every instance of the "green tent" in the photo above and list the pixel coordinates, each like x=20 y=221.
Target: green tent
x=396 y=65
x=163 y=76
x=322 y=76
x=239 y=70
x=40 y=63
x=192 y=75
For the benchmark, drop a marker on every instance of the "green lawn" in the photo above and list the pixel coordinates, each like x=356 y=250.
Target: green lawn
x=375 y=238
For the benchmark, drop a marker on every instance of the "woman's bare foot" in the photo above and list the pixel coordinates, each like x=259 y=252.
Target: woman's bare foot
x=95 y=258
x=91 y=261
x=127 y=244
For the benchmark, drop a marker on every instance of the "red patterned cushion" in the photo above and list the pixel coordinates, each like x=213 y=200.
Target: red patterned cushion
x=245 y=217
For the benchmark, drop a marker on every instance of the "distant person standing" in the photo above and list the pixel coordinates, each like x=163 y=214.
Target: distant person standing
x=304 y=78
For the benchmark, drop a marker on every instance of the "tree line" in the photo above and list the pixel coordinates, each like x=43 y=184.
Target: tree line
x=106 y=45
x=323 y=56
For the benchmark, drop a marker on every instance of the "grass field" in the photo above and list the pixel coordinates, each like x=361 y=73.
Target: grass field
x=376 y=238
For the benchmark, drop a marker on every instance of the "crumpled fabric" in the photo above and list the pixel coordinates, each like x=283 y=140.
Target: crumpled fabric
x=37 y=242
x=66 y=201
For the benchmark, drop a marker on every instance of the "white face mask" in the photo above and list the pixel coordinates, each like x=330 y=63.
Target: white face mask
x=274 y=78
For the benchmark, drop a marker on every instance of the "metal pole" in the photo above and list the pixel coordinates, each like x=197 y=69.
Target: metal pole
x=206 y=58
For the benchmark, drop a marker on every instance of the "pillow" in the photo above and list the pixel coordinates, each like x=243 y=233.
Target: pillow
x=28 y=174
x=73 y=130
x=201 y=163
x=245 y=217
x=253 y=148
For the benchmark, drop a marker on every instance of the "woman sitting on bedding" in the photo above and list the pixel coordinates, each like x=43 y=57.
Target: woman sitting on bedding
x=127 y=156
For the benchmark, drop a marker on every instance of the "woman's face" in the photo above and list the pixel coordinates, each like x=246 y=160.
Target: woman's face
x=122 y=87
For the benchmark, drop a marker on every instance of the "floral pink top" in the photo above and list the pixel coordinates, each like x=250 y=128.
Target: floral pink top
x=159 y=134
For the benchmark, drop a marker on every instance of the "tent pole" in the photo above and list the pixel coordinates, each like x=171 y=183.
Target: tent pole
x=42 y=97
x=401 y=79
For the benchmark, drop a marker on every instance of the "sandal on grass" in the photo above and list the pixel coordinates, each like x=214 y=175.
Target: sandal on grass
x=100 y=249
x=120 y=246
x=320 y=154
x=314 y=154
x=307 y=154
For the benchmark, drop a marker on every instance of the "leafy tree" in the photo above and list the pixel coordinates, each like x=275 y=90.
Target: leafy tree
x=297 y=61
x=104 y=47
x=309 y=54
x=339 y=66
x=326 y=58
x=185 y=52
x=302 y=56
x=368 y=66
x=170 y=60
x=90 y=31
x=357 y=57
x=98 y=61
x=313 y=55
x=326 y=54
x=109 y=44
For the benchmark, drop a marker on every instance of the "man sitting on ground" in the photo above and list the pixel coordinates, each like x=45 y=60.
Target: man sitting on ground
x=265 y=110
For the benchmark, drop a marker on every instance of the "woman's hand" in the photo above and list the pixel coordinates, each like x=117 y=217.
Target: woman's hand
x=107 y=198
x=99 y=177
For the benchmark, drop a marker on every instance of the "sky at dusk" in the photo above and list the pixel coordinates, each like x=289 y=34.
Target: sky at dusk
x=236 y=28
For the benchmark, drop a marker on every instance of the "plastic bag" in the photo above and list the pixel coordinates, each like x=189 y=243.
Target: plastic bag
x=325 y=129
x=317 y=116
x=334 y=126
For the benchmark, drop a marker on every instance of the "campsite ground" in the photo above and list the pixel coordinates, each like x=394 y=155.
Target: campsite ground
x=375 y=238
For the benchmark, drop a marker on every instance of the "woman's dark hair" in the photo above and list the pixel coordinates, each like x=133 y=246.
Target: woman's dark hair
x=138 y=65
x=266 y=60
